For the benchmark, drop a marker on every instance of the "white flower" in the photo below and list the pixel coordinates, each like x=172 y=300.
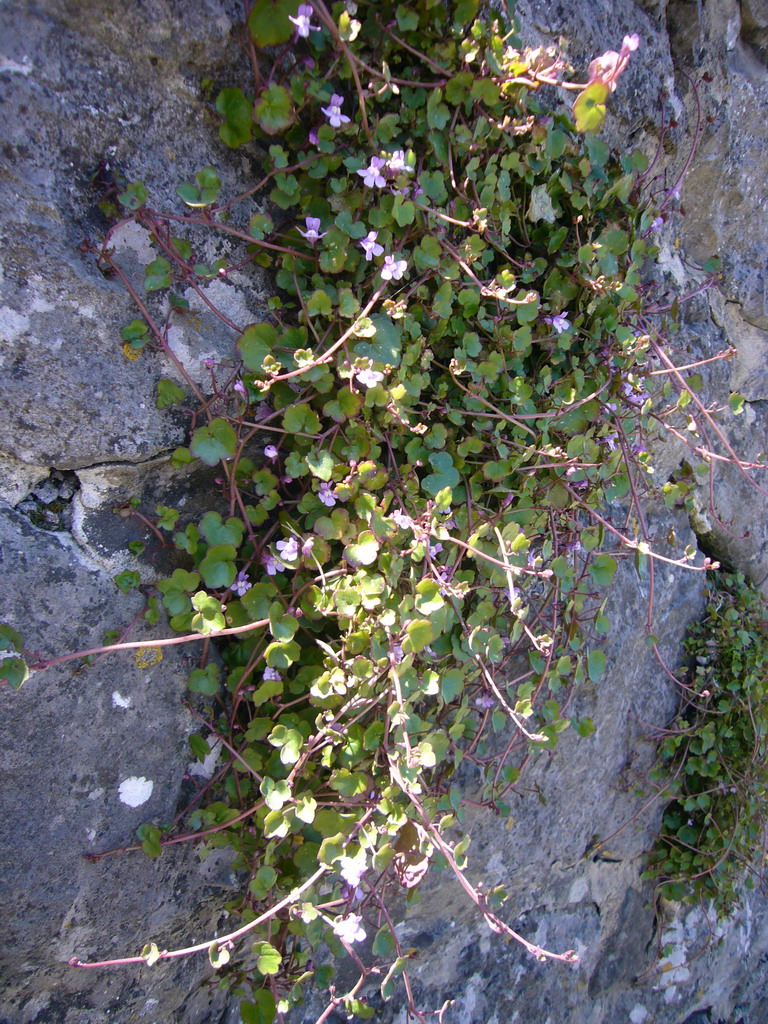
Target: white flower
x=397 y=162
x=313 y=232
x=349 y=928
x=630 y=43
x=370 y=246
x=333 y=111
x=369 y=377
x=393 y=269
x=289 y=549
x=326 y=495
x=372 y=175
x=301 y=21
x=352 y=870
x=242 y=584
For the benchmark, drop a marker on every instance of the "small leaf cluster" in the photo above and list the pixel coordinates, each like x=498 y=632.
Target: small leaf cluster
x=713 y=829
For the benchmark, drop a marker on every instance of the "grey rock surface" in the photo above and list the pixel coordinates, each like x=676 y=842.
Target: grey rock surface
x=90 y=752
x=87 y=84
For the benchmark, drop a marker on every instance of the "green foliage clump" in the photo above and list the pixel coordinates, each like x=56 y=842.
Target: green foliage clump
x=713 y=830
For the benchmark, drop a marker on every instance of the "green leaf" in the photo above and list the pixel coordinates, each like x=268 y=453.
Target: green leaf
x=216 y=531
x=14 y=671
x=281 y=625
x=320 y=464
x=134 y=196
x=445 y=473
x=157 y=275
x=269 y=958
x=218 y=567
x=149 y=837
x=602 y=569
x=386 y=345
x=320 y=303
x=363 y=551
x=255 y=344
x=736 y=402
x=596 y=662
x=589 y=107
x=213 y=443
x=127 y=580
x=262 y=1011
x=237 y=112
x=274 y=111
x=419 y=634
x=452 y=684
x=218 y=955
x=204 y=680
x=168 y=393
x=269 y=22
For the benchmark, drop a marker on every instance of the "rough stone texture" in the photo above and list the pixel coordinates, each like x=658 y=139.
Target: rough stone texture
x=87 y=83
x=72 y=737
x=83 y=83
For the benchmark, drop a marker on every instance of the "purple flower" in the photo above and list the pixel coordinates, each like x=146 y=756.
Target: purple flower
x=326 y=495
x=435 y=549
x=333 y=111
x=270 y=451
x=242 y=584
x=372 y=175
x=240 y=388
x=559 y=322
x=289 y=549
x=301 y=21
x=306 y=547
x=658 y=224
x=271 y=675
x=270 y=564
x=313 y=232
x=369 y=377
x=370 y=246
x=629 y=45
x=397 y=162
x=349 y=929
x=485 y=701
x=314 y=137
x=393 y=269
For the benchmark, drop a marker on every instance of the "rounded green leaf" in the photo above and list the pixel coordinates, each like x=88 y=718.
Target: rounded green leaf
x=364 y=551
x=213 y=443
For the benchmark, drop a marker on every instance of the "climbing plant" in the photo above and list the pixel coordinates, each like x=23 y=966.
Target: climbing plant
x=404 y=567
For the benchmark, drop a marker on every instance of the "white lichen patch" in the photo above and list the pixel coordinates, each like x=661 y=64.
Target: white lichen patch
x=204 y=769
x=135 y=790
x=120 y=701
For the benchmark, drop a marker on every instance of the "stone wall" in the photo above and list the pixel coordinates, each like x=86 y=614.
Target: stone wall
x=90 y=84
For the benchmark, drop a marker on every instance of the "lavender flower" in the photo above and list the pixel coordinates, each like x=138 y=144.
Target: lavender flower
x=629 y=44
x=326 y=495
x=289 y=549
x=657 y=224
x=333 y=112
x=306 y=547
x=349 y=929
x=313 y=232
x=271 y=675
x=559 y=322
x=370 y=246
x=240 y=388
x=393 y=269
x=270 y=564
x=435 y=549
x=402 y=520
x=302 y=23
x=270 y=451
x=372 y=175
x=242 y=584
